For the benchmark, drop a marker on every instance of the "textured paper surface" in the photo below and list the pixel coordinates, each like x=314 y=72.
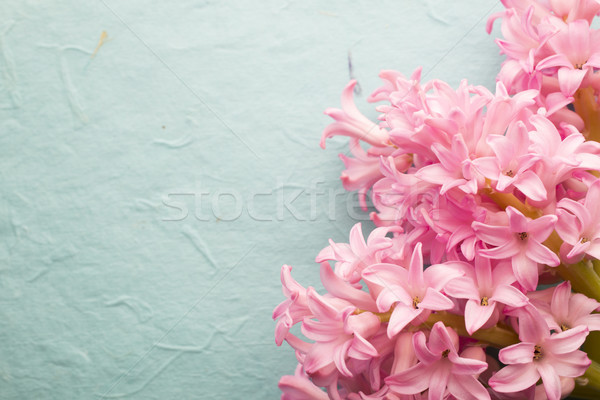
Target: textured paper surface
x=103 y=294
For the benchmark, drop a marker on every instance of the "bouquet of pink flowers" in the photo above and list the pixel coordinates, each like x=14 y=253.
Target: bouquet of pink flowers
x=480 y=197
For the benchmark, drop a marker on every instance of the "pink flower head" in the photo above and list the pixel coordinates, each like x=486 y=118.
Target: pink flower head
x=339 y=334
x=541 y=355
x=412 y=293
x=440 y=369
x=454 y=168
x=349 y=121
x=521 y=39
x=352 y=258
x=577 y=51
x=568 y=310
x=485 y=289
x=512 y=164
x=579 y=226
x=452 y=219
x=570 y=10
x=300 y=387
x=293 y=309
x=521 y=242
x=395 y=82
x=565 y=10
x=363 y=170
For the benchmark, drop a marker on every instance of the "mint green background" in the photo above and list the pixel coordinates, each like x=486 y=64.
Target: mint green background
x=103 y=294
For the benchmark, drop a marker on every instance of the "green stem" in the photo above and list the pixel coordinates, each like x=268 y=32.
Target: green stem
x=596 y=264
x=592 y=345
x=583 y=278
x=587 y=108
x=496 y=336
x=508 y=199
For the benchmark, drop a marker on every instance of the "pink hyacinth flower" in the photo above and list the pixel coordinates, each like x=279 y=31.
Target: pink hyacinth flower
x=338 y=334
x=512 y=165
x=454 y=168
x=521 y=242
x=300 y=387
x=293 y=309
x=362 y=170
x=541 y=355
x=441 y=369
x=353 y=257
x=579 y=226
x=349 y=121
x=576 y=49
x=485 y=289
x=413 y=293
x=570 y=310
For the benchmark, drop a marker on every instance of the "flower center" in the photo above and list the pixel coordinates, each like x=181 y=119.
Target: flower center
x=584 y=240
x=509 y=173
x=445 y=353
x=564 y=327
x=523 y=235
x=416 y=302
x=537 y=352
x=484 y=301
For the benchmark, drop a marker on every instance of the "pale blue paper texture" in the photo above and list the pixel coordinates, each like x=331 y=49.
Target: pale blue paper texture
x=153 y=186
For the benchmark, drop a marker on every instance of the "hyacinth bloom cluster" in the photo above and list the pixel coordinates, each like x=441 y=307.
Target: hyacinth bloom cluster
x=478 y=198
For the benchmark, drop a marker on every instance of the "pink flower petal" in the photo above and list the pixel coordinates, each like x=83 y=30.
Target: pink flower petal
x=435 y=301
x=550 y=379
x=526 y=271
x=591 y=321
x=567 y=226
x=514 y=378
x=411 y=381
x=415 y=269
x=540 y=228
x=341 y=289
x=494 y=235
x=506 y=250
x=572 y=366
x=404 y=353
x=462 y=288
x=339 y=358
x=442 y=338
x=488 y=167
x=520 y=353
x=567 y=341
x=319 y=305
x=466 y=366
x=362 y=349
x=467 y=388
x=438 y=382
x=300 y=388
x=532 y=325
x=422 y=351
x=579 y=248
x=510 y=296
x=518 y=222
x=476 y=315
x=401 y=316
x=555 y=60
x=560 y=301
x=531 y=186
x=570 y=79
x=437 y=276
x=541 y=254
